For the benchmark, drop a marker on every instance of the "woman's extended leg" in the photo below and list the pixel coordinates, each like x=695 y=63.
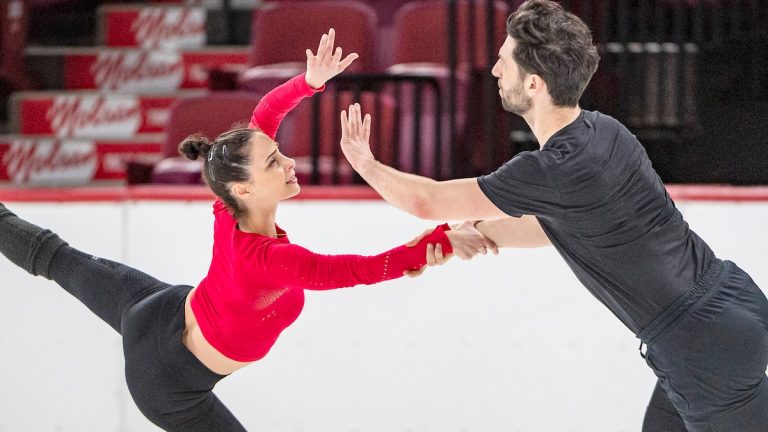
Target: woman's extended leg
x=107 y=288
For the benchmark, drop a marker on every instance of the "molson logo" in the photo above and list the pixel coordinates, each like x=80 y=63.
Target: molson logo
x=94 y=116
x=51 y=162
x=169 y=27
x=138 y=70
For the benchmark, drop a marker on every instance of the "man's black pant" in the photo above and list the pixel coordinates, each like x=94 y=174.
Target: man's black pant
x=710 y=353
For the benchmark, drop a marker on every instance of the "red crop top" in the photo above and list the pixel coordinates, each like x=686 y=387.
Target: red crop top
x=255 y=284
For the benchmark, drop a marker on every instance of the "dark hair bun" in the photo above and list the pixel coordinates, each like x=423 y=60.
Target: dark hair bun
x=195 y=146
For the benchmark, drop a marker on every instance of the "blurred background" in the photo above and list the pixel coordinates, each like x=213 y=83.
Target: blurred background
x=96 y=96
x=101 y=92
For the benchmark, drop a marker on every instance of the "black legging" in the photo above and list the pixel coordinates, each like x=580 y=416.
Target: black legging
x=168 y=383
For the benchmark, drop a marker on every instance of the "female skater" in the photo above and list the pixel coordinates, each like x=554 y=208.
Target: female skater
x=179 y=341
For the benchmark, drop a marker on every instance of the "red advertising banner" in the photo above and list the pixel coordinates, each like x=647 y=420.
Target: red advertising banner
x=153 y=27
x=26 y=161
x=145 y=70
x=92 y=115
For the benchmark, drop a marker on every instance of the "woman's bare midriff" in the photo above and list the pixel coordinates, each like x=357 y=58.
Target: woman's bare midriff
x=196 y=343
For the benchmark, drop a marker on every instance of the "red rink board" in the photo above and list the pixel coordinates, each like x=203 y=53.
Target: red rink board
x=167 y=193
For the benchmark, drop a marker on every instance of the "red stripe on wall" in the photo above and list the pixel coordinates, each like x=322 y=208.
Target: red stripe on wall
x=167 y=193
x=201 y=193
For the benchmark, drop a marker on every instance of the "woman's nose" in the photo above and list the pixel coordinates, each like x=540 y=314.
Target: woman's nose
x=291 y=164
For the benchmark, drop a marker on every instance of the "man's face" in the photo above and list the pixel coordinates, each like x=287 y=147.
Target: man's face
x=511 y=80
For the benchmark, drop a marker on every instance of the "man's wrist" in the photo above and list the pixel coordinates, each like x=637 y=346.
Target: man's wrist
x=364 y=166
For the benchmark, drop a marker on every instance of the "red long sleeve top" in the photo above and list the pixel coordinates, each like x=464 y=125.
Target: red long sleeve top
x=255 y=284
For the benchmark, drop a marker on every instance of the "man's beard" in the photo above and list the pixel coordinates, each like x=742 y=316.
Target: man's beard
x=515 y=101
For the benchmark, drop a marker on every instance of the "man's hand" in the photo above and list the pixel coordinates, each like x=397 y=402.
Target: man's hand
x=327 y=63
x=355 y=133
x=467 y=241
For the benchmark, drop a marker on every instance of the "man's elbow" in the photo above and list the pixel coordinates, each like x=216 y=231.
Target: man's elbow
x=424 y=207
x=424 y=201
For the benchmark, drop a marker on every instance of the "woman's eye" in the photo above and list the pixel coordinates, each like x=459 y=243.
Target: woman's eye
x=274 y=162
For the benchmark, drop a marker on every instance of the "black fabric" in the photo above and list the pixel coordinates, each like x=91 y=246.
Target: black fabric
x=167 y=382
x=661 y=415
x=26 y=245
x=710 y=356
x=600 y=202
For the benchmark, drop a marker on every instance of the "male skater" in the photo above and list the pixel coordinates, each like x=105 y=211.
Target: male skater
x=591 y=192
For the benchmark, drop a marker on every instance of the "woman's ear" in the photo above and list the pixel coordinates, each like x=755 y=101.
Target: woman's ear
x=241 y=190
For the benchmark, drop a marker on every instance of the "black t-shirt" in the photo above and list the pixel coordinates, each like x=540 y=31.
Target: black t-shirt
x=592 y=188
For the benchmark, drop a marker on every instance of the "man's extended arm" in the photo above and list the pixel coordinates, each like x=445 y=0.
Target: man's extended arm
x=422 y=197
x=512 y=232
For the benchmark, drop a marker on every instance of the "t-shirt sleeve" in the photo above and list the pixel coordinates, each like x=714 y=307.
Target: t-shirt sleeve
x=276 y=104
x=293 y=265
x=522 y=186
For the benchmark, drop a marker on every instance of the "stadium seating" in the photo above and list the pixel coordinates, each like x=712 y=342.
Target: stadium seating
x=208 y=115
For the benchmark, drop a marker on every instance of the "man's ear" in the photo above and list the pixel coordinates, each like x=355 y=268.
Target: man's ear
x=535 y=85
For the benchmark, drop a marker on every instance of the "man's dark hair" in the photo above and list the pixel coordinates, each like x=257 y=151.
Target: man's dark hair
x=556 y=45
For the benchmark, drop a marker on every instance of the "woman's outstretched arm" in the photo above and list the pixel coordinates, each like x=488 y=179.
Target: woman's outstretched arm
x=293 y=265
x=276 y=104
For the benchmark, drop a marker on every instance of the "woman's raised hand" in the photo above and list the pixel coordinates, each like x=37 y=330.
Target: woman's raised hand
x=327 y=63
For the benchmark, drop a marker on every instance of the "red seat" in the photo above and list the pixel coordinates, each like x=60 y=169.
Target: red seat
x=215 y=113
x=14 y=22
x=209 y=115
x=282 y=32
x=295 y=134
x=421 y=32
x=421 y=46
x=385 y=12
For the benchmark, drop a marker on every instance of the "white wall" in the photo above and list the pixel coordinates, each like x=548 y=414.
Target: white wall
x=510 y=343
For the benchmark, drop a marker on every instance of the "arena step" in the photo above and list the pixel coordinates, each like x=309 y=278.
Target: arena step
x=131 y=70
x=182 y=24
x=148 y=26
x=90 y=114
x=52 y=161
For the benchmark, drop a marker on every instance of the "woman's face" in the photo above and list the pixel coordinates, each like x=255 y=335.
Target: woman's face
x=272 y=174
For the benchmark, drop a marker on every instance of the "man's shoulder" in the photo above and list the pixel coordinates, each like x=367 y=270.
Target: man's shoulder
x=603 y=122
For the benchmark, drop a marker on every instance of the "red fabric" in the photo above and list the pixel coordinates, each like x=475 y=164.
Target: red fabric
x=255 y=285
x=275 y=105
x=281 y=32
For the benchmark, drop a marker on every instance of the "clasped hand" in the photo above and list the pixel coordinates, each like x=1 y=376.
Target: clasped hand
x=466 y=241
